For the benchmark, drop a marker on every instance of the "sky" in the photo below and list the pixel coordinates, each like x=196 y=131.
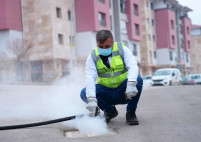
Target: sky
x=195 y=5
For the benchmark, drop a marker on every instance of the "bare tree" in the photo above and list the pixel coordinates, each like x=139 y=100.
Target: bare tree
x=2 y=59
x=21 y=51
x=17 y=48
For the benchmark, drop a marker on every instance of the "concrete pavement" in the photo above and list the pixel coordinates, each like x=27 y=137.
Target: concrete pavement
x=166 y=114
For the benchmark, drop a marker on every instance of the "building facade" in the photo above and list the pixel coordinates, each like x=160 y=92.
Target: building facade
x=196 y=50
x=55 y=34
x=173 y=34
x=122 y=17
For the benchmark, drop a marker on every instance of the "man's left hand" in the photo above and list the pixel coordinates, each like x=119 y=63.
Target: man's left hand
x=131 y=90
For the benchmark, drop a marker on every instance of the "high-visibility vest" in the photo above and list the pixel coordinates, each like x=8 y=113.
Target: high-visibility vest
x=115 y=75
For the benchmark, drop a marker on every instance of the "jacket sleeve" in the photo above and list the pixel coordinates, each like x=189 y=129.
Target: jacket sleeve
x=131 y=64
x=91 y=76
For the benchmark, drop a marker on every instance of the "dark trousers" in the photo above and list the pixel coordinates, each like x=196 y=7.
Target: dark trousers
x=107 y=97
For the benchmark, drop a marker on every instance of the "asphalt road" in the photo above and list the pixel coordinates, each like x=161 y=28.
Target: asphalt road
x=166 y=114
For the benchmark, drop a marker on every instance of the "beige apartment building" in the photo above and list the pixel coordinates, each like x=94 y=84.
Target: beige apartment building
x=196 y=50
x=148 y=43
x=46 y=30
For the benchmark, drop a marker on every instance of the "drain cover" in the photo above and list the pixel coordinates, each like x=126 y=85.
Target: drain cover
x=77 y=134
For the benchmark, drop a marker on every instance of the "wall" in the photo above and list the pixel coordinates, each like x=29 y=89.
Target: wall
x=163 y=28
x=163 y=57
x=37 y=29
x=87 y=15
x=84 y=48
x=187 y=37
x=10 y=15
x=196 y=54
x=196 y=31
x=132 y=19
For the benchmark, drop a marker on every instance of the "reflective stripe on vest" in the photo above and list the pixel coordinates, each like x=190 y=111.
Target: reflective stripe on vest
x=118 y=71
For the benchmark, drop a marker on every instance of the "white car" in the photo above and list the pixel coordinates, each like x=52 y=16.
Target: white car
x=147 y=81
x=167 y=77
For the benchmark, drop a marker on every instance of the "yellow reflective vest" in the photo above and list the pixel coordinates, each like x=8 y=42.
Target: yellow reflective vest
x=117 y=73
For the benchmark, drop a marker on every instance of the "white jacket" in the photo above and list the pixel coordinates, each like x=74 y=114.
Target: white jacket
x=91 y=71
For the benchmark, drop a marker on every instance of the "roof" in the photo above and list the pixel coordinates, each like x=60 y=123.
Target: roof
x=175 y=3
x=195 y=26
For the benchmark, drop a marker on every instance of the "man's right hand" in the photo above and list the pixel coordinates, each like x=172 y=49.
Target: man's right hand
x=92 y=106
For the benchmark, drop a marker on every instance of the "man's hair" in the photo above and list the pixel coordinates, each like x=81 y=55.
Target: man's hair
x=102 y=35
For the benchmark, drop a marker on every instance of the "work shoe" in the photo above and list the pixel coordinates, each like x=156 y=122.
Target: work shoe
x=131 y=118
x=110 y=114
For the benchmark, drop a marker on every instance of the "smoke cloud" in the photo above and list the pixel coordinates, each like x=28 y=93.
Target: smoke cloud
x=62 y=99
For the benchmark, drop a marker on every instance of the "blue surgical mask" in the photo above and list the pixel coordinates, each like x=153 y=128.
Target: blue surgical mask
x=105 y=52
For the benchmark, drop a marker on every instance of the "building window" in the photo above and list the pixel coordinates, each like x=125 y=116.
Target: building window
x=170 y=54
x=60 y=39
x=123 y=6
x=110 y=3
x=168 y=6
x=148 y=20
x=150 y=52
x=152 y=6
x=147 y=3
x=172 y=24
x=134 y=49
x=155 y=55
x=136 y=10
x=187 y=58
x=189 y=44
x=154 y=38
x=182 y=43
x=101 y=17
x=153 y=22
x=123 y=26
x=182 y=56
x=58 y=11
x=173 y=40
x=101 y=1
x=137 y=29
x=69 y=15
x=149 y=36
x=181 y=29
x=188 y=31
x=175 y=59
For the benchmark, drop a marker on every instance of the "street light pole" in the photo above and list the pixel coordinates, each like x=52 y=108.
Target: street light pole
x=71 y=37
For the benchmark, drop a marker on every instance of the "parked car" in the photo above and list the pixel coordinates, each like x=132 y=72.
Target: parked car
x=167 y=76
x=186 y=80
x=147 y=80
x=191 y=79
x=196 y=78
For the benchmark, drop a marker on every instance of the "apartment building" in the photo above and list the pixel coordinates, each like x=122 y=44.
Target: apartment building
x=122 y=17
x=148 y=44
x=173 y=34
x=196 y=50
x=44 y=27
